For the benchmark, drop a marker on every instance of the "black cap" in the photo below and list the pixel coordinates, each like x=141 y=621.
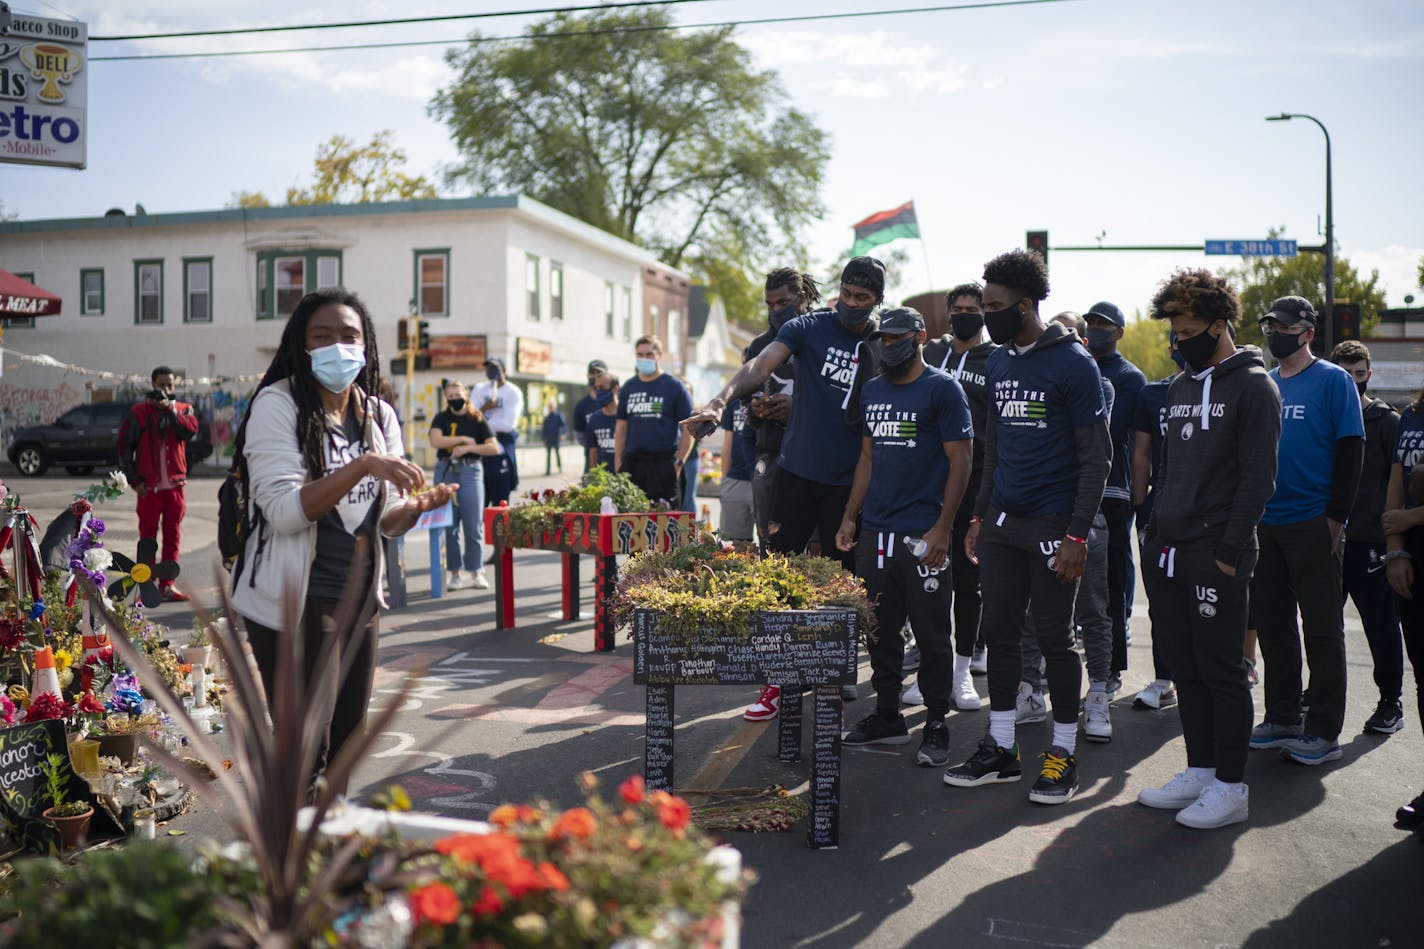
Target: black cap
x=866 y=272
x=1109 y=312
x=902 y=319
x=597 y=365
x=1292 y=310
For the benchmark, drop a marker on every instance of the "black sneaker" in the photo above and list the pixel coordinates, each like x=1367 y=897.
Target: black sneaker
x=848 y=692
x=874 y=730
x=934 y=745
x=1058 y=781
x=989 y=765
x=1411 y=814
x=1387 y=719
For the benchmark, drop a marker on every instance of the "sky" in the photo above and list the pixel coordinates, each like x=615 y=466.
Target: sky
x=1102 y=121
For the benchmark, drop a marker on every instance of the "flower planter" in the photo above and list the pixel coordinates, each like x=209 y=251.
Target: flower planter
x=604 y=536
x=792 y=648
x=72 y=830
x=123 y=747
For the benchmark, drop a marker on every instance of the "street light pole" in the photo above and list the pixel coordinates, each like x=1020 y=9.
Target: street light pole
x=1329 y=224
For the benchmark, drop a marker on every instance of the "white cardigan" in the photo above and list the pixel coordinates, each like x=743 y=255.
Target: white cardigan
x=276 y=472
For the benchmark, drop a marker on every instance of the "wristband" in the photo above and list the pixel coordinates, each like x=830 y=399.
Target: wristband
x=1076 y=540
x=1397 y=555
x=976 y=520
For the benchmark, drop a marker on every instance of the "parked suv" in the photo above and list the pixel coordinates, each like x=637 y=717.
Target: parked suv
x=85 y=437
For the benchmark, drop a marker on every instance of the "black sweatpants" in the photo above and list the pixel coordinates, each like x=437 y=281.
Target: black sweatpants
x=1200 y=619
x=1017 y=556
x=1298 y=568
x=1122 y=578
x=656 y=473
x=968 y=603
x=763 y=493
x=901 y=587
x=348 y=717
x=1411 y=617
x=800 y=508
x=1365 y=582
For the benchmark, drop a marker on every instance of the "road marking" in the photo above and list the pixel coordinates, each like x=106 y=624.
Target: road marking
x=1033 y=934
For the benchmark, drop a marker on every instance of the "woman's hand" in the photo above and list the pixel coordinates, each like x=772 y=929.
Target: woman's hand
x=397 y=471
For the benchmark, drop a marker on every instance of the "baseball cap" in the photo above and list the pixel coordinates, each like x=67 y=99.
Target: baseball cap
x=1109 y=312
x=597 y=365
x=1291 y=310
x=496 y=360
x=902 y=319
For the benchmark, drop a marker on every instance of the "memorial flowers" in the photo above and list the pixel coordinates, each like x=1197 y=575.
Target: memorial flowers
x=544 y=510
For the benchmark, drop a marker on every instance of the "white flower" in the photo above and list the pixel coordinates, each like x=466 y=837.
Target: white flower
x=119 y=480
x=98 y=558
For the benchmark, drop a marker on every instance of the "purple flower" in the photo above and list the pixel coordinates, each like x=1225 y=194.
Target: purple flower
x=96 y=526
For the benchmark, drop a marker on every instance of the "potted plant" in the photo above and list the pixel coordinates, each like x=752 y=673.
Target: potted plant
x=199 y=650
x=70 y=818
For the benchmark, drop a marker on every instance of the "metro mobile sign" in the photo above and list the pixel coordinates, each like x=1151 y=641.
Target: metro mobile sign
x=43 y=90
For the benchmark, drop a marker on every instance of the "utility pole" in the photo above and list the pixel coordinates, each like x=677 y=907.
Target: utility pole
x=1329 y=227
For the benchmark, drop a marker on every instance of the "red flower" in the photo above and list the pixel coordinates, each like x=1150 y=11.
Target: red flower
x=632 y=789
x=436 y=903
x=549 y=493
x=674 y=814
x=553 y=878
x=518 y=877
x=506 y=815
x=574 y=822
x=88 y=705
x=490 y=852
x=46 y=706
x=12 y=632
x=488 y=903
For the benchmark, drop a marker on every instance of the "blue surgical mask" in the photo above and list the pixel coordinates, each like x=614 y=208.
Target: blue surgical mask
x=336 y=366
x=1180 y=360
x=646 y=367
x=603 y=396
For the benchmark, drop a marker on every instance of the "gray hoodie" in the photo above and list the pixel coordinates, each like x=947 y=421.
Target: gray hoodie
x=1218 y=457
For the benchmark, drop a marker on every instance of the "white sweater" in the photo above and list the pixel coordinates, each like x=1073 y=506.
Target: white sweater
x=276 y=472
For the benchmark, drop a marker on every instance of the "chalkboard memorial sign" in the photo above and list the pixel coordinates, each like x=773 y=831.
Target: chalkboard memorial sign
x=792 y=648
x=24 y=793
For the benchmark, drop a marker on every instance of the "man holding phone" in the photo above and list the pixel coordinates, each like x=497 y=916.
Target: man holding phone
x=153 y=454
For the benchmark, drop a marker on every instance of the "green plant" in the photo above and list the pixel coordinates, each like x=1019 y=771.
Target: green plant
x=544 y=511
x=56 y=772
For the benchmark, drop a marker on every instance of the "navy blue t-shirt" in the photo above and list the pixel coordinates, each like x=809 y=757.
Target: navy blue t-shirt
x=652 y=410
x=1127 y=381
x=1037 y=400
x=734 y=420
x=1409 y=450
x=907 y=426
x=598 y=433
x=1319 y=406
x=818 y=445
x=1150 y=416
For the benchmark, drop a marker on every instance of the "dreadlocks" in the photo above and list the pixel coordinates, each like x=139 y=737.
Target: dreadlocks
x=801 y=284
x=293 y=364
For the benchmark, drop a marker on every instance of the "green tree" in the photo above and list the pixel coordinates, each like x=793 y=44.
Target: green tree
x=347 y=173
x=4 y=216
x=663 y=137
x=1144 y=344
x=1260 y=280
x=1420 y=278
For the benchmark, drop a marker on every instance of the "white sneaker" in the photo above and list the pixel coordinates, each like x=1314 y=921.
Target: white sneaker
x=1217 y=807
x=766 y=705
x=965 y=697
x=1182 y=791
x=456 y=581
x=1097 y=717
x=480 y=581
x=979 y=665
x=1029 y=707
x=1158 y=694
x=912 y=695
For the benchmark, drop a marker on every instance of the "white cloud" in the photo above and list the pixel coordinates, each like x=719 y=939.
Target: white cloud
x=1398 y=268
x=858 y=65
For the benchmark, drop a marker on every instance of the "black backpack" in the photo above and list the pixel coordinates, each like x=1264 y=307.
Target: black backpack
x=234 y=526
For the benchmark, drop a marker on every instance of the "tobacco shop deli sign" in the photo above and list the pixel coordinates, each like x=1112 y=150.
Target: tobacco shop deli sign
x=43 y=90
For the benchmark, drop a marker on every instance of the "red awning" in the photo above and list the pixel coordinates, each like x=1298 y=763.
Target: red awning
x=22 y=298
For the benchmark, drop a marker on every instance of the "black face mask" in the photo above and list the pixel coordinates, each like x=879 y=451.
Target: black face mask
x=896 y=357
x=966 y=326
x=1197 y=351
x=1100 y=340
x=456 y=405
x=492 y=372
x=1361 y=387
x=779 y=318
x=1282 y=345
x=1004 y=325
x=853 y=317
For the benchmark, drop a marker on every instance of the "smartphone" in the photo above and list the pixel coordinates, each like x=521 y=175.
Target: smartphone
x=704 y=428
x=156 y=395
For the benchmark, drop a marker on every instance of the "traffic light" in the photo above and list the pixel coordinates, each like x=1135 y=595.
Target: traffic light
x=402 y=337
x=423 y=343
x=1038 y=241
x=1346 y=324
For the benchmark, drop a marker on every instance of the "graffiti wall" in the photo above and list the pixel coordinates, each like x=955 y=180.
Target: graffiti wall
x=22 y=405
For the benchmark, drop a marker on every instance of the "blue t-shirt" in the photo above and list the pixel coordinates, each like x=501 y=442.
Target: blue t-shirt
x=1150 y=416
x=734 y=420
x=1319 y=406
x=1038 y=399
x=819 y=446
x=1409 y=450
x=598 y=433
x=907 y=426
x=1127 y=381
x=652 y=411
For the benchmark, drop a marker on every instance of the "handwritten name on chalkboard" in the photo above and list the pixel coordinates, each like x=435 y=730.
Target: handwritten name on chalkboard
x=789 y=726
x=788 y=647
x=826 y=770
x=657 y=751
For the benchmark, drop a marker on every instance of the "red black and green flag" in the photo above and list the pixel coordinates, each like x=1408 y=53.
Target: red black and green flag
x=884 y=227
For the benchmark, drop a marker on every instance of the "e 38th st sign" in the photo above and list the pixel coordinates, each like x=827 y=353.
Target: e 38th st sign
x=43 y=93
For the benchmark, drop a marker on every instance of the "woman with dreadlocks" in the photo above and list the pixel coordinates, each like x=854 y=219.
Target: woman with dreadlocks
x=325 y=469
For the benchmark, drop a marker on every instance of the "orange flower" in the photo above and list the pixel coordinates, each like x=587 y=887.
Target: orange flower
x=553 y=878
x=506 y=815
x=488 y=903
x=518 y=877
x=659 y=798
x=574 y=822
x=632 y=790
x=674 y=814
x=528 y=815
x=490 y=852
x=436 y=903
x=633 y=843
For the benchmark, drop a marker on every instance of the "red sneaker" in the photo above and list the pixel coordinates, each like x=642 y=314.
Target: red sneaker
x=766 y=706
x=174 y=595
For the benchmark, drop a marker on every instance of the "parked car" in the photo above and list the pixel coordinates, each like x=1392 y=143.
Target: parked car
x=82 y=439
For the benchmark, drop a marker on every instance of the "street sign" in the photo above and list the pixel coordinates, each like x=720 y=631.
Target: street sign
x=1261 y=248
x=43 y=91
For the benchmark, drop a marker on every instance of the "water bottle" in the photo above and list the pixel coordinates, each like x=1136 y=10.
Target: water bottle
x=917 y=546
x=606 y=506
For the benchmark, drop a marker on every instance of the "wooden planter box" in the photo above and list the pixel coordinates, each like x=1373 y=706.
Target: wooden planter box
x=604 y=537
x=791 y=648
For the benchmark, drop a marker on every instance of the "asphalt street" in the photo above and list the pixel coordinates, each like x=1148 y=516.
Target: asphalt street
x=516 y=714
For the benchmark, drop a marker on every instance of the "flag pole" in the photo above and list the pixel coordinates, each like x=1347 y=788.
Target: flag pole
x=924 y=249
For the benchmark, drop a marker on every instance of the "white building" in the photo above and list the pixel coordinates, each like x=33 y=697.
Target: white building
x=207 y=292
